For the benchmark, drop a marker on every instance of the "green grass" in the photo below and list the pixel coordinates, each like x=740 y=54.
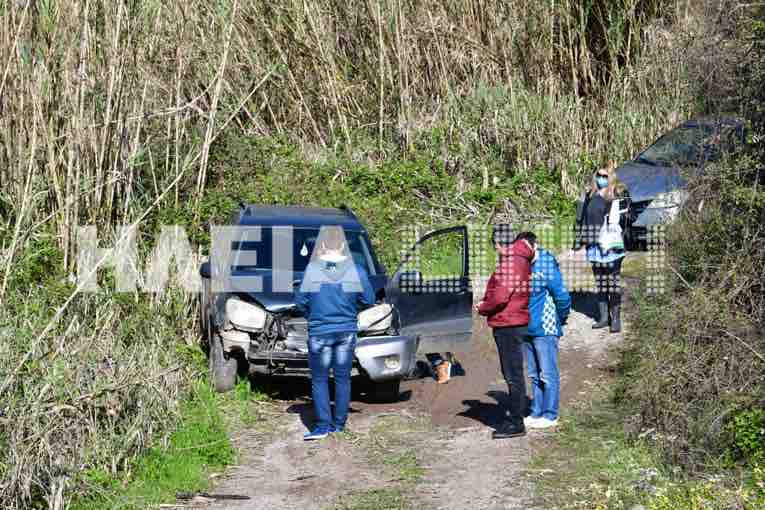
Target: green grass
x=198 y=447
x=590 y=463
x=378 y=499
x=392 y=443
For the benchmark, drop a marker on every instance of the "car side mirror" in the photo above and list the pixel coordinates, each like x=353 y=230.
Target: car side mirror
x=204 y=270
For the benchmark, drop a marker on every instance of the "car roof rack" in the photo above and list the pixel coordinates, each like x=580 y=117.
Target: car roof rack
x=244 y=209
x=348 y=211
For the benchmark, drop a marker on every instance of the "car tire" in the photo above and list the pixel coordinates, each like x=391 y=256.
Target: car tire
x=223 y=366
x=385 y=392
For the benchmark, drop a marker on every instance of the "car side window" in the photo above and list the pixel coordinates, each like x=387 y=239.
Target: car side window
x=360 y=253
x=436 y=263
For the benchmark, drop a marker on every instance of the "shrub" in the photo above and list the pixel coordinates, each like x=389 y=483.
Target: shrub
x=748 y=434
x=694 y=362
x=90 y=396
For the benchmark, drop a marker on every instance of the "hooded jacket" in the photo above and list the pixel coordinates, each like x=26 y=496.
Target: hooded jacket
x=550 y=302
x=331 y=293
x=506 y=301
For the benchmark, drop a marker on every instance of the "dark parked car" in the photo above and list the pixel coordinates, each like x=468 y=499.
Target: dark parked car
x=656 y=179
x=261 y=331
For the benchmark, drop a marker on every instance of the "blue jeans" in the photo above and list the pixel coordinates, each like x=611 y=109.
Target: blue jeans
x=335 y=351
x=542 y=362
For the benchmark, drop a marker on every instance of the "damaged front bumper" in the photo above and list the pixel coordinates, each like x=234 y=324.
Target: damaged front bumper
x=386 y=358
x=381 y=358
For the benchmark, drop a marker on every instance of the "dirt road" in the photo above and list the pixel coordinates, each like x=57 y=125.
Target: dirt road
x=433 y=449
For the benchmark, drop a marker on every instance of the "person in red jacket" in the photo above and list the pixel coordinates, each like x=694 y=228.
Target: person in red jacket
x=506 y=305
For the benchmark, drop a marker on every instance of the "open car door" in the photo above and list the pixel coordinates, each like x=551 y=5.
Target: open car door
x=432 y=293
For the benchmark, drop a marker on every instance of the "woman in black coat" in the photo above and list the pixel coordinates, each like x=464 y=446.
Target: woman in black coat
x=606 y=264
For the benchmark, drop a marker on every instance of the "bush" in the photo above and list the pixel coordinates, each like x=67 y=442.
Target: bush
x=694 y=361
x=748 y=434
x=100 y=388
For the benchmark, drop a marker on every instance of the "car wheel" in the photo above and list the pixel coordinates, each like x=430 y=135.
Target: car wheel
x=223 y=367
x=387 y=391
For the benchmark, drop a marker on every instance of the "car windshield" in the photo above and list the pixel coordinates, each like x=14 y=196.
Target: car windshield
x=682 y=146
x=280 y=243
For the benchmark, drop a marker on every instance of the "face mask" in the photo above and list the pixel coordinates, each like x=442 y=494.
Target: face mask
x=602 y=182
x=333 y=256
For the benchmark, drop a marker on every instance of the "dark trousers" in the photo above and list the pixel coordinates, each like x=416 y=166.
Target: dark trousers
x=510 y=348
x=608 y=280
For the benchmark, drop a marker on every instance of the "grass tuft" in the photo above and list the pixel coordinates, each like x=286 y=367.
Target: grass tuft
x=378 y=499
x=198 y=447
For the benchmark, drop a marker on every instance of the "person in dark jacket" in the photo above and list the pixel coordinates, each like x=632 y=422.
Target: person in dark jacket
x=332 y=292
x=606 y=265
x=506 y=305
x=549 y=306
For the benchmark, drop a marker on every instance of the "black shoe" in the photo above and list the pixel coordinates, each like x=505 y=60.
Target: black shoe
x=508 y=430
x=602 y=315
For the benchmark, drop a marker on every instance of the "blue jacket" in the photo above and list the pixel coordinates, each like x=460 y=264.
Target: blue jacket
x=550 y=302
x=331 y=294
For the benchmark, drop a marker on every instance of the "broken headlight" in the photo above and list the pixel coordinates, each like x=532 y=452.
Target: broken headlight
x=245 y=316
x=376 y=319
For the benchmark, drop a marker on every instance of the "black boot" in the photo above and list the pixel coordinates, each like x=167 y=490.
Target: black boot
x=602 y=321
x=508 y=430
x=615 y=304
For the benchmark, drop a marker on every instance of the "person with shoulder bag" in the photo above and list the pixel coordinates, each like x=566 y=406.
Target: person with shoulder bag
x=599 y=233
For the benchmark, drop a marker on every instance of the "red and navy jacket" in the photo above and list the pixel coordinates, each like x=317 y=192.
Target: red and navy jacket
x=506 y=302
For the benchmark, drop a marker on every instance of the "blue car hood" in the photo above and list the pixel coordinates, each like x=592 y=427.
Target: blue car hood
x=280 y=301
x=645 y=181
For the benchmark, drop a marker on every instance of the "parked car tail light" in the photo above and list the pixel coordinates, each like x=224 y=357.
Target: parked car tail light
x=376 y=319
x=245 y=316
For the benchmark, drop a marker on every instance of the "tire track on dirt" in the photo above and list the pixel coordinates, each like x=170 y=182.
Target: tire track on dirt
x=289 y=473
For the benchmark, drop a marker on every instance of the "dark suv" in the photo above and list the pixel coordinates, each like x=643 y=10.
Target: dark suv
x=258 y=329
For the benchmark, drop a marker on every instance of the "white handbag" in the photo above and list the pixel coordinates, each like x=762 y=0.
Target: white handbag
x=610 y=237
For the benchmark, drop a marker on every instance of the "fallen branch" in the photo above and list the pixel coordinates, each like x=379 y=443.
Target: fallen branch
x=762 y=358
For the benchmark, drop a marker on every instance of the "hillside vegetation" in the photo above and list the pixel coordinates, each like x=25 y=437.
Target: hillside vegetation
x=694 y=364
x=170 y=112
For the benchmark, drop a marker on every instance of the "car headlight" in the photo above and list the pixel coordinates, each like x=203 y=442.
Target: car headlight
x=245 y=316
x=669 y=199
x=376 y=319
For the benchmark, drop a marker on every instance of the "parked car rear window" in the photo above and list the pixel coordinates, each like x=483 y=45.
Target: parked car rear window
x=301 y=242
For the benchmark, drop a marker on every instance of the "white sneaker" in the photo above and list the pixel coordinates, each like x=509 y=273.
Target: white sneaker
x=529 y=421
x=543 y=423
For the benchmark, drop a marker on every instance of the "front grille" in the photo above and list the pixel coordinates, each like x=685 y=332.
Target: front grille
x=297 y=334
x=297 y=327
